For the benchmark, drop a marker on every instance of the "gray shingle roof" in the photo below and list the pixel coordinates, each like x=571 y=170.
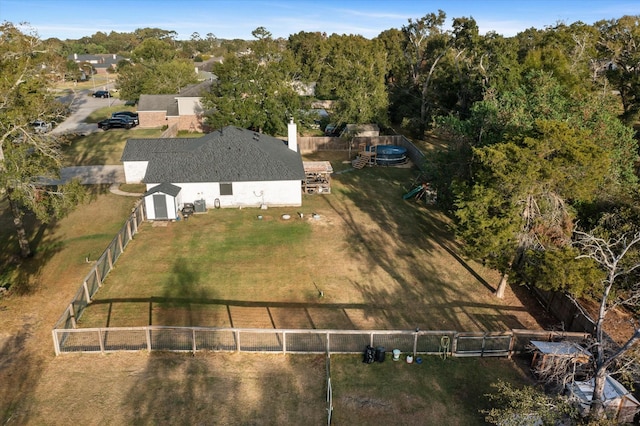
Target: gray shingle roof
x=165 y=188
x=196 y=90
x=227 y=155
x=157 y=103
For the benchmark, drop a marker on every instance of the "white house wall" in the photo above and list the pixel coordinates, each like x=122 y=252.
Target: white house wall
x=173 y=204
x=245 y=194
x=134 y=171
x=189 y=106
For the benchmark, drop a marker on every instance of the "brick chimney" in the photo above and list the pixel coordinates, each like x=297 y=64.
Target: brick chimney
x=292 y=134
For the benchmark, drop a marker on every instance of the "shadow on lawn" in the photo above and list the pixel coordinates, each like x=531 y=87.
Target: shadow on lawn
x=176 y=389
x=20 y=275
x=402 y=236
x=20 y=372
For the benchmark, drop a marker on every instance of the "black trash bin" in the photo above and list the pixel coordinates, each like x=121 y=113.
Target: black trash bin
x=369 y=355
x=380 y=354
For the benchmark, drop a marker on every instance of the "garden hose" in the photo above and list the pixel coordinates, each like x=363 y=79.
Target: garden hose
x=445 y=344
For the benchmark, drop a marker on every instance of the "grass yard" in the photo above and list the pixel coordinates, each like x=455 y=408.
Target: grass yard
x=379 y=261
x=436 y=392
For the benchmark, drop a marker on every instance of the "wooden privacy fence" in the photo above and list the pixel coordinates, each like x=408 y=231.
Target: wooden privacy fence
x=309 y=144
x=572 y=316
x=93 y=281
x=194 y=339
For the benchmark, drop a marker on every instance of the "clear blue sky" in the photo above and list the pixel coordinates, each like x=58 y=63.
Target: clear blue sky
x=73 y=19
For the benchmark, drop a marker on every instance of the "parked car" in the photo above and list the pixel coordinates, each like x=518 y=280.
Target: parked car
x=121 y=122
x=132 y=115
x=101 y=94
x=41 y=126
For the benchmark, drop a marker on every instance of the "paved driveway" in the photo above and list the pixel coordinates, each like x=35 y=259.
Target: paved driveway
x=82 y=104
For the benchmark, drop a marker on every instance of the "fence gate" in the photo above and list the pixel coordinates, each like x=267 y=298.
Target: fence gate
x=483 y=344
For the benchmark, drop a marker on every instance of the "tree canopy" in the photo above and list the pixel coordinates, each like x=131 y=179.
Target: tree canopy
x=27 y=158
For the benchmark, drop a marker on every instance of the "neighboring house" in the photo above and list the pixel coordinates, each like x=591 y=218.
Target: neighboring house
x=184 y=109
x=230 y=167
x=101 y=63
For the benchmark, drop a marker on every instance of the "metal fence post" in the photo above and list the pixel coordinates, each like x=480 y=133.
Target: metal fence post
x=454 y=344
x=484 y=340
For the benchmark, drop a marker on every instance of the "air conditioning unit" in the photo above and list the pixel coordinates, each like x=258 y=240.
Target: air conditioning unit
x=200 y=206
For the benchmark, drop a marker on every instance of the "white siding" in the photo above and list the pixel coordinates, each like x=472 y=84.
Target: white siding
x=189 y=106
x=134 y=171
x=245 y=194
x=173 y=204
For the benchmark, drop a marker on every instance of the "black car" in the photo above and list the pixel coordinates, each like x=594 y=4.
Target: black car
x=132 y=115
x=101 y=94
x=120 y=122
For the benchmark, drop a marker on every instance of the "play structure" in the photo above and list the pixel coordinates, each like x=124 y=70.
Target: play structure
x=379 y=155
x=422 y=191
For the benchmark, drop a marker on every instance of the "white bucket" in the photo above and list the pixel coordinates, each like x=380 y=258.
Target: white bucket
x=396 y=354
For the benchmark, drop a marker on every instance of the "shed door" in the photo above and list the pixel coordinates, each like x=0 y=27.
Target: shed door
x=160 y=206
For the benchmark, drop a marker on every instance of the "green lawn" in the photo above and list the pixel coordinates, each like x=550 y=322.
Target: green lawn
x=437 y=392
x=379 y=261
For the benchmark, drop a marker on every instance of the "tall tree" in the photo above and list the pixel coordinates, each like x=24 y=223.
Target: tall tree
x=619 y=47
x=518 y=197
x=619 y=259
x=255 y=90
x=27 y=158
x=310 y=51
x=426 y=44
x=354 y=76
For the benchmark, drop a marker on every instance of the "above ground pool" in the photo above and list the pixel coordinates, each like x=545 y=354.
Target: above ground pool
x=390 y=155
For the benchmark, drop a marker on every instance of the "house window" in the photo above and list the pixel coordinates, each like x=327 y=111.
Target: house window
x=226 y=189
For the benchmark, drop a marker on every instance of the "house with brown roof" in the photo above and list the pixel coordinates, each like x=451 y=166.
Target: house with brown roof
x=183 y=109
x=231 y=167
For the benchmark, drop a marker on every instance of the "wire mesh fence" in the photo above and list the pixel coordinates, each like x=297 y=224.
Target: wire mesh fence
x=92 y=282
x=194 y=339
x=329 y=390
